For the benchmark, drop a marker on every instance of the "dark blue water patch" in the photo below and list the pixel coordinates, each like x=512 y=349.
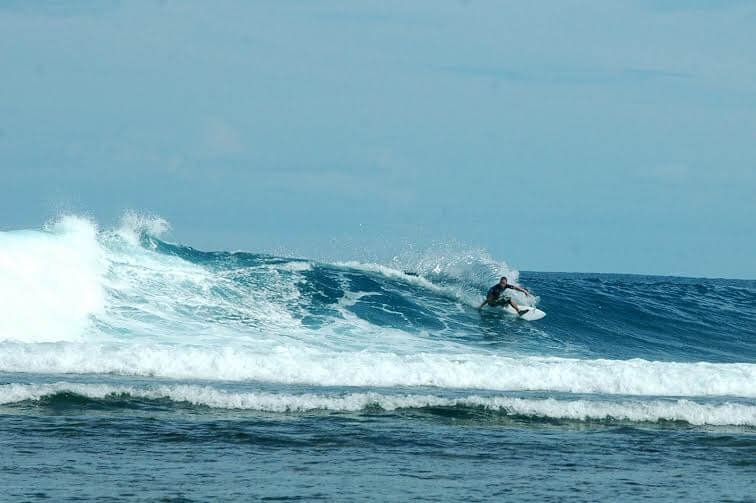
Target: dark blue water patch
x=384 y=458
x=675 y=319
x=377 y=300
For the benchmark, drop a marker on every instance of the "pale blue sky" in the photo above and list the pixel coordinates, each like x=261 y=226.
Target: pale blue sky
x=610 y=136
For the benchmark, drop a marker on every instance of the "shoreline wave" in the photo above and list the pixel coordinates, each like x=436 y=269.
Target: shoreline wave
x=653 y=411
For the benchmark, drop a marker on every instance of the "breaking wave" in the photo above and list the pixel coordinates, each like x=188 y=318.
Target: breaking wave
x=75 y=299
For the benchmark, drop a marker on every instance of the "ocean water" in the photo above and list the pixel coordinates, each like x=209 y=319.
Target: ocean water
x=136 y=369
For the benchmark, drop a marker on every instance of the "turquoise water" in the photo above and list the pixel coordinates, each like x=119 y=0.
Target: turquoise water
x=135 y=369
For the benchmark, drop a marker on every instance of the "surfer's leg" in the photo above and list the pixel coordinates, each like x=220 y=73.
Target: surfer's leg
x=517 y=308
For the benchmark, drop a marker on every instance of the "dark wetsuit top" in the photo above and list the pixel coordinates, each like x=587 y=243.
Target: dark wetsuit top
x=496 y=291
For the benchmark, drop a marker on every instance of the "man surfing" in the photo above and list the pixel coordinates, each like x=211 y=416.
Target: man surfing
x=496 y=291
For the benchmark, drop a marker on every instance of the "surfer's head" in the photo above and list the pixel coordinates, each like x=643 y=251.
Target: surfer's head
x=503 y=281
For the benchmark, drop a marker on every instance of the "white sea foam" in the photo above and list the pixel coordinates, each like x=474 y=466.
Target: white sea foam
x=50 y=281
x=727 y=413
x=298 y=364
x=133 y=224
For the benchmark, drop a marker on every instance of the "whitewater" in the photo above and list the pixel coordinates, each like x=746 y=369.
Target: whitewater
x=117 y=335
x=78 y=300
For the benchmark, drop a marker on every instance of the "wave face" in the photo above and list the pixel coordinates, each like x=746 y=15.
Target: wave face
x=82 y=301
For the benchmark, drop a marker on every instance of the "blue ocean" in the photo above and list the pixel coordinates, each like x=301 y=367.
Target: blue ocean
x=134 y=369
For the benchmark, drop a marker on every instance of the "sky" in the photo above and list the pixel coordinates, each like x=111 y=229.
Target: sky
x=591 y=135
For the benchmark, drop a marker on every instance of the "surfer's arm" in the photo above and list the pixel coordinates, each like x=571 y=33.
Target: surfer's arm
x=484 y=303
x=520 y=289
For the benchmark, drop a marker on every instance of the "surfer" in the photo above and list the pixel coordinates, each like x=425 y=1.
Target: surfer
x=496 y=291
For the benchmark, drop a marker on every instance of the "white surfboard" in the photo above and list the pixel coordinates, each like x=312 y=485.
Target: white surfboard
x=533 y=313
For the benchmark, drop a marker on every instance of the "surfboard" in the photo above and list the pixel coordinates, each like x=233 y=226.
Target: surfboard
x=533 y=313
